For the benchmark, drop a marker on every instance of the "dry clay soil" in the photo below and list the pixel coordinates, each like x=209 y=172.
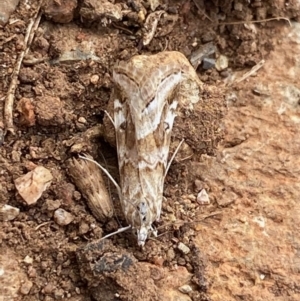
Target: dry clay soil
x=244 y=245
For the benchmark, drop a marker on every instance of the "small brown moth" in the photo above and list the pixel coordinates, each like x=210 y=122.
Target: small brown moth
x=148 y=90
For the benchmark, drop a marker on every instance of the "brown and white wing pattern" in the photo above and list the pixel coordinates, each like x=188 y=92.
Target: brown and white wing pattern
x=145 y=102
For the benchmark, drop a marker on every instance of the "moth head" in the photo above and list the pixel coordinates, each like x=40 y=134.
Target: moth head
x=145 y=221
x=142 y=234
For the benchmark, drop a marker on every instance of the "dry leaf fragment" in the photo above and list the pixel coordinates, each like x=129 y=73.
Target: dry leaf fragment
x=33 y=184
x=151 y=25
x=87 y=177
x=26 y=109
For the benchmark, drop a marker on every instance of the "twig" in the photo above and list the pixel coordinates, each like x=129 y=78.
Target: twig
x=122 y=28
x=34 y=61
x=202 y=218
x=9 y=101
x=257 y=21
x=42 y=225
x=202 y=11
x=249 y=73
x=8 y=39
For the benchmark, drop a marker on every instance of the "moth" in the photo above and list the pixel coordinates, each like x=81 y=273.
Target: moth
x=147 y=94
x=148 y=90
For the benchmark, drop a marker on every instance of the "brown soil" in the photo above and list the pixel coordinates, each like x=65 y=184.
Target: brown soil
x=251 y=178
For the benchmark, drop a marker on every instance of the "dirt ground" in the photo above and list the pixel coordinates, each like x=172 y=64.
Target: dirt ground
x=244 y=244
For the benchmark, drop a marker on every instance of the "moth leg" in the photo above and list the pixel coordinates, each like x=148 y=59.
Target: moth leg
x=154 y=231
x=173 y=156
x=116 y=232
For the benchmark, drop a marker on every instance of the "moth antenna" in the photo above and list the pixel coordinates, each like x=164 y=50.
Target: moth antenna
x=106 y=172
x=112 y=121
x=116 y=232
x=173 y=156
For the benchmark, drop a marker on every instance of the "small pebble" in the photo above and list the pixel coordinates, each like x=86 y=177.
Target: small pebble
x=208 y=63
x=83 y=228
x=82 y=120
x=49 y=288
x=185 y=289
x=158 y=260
x=183 y=248
x=8 y=213
x=222 y=63
x=31 y=272
x=225 y=73
x=15 y=156
x=94 y=79
x=59 y=294
x=26 y=287
x=170 y=254
x=62 y=217
x=202 y=197
x=181 y=261
x=53 y=204
x=28 y=260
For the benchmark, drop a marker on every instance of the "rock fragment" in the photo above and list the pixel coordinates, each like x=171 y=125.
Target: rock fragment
x=183 y=248
x=32 y=185
x=49 y=111
x=101 y=10
x=63 y=217
x=26 y=287
x=7 y=8
x=202 y=197
x=185 y=289
x=26 y=110
x=8 y=213
x=60 y=11
x=202 y=52
x=208 y=63
x=221 y=63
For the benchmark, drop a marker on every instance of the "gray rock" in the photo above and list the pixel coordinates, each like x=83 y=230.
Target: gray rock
x=208 y=63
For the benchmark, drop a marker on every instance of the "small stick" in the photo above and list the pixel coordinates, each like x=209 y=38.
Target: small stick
x=34 y=61
x=188 y=223
x=122 y=28
x=42 y=225
x=201 y=11
x=257 y=21
x=8 y=39
x=9 y=101
x=252 y=71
